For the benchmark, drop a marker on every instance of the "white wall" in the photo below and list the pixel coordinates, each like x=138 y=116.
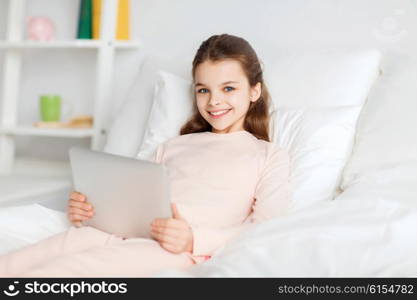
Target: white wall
x=176 y=29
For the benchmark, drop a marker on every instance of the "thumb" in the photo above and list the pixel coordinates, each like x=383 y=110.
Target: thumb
x=175 y=213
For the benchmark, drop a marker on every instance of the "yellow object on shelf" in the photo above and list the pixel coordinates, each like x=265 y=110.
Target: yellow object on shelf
x=122 y=29
x=96 y=19
x=122 y=22
x=81 y=121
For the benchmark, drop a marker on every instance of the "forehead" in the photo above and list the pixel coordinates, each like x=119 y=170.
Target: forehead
x=210 y=72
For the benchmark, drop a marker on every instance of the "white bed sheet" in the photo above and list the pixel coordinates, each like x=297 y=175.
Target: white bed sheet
x=370 y=235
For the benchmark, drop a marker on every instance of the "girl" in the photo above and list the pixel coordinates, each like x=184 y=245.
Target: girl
x=225 y=176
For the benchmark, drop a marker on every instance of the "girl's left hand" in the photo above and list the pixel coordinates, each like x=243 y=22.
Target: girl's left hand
x=173 y=234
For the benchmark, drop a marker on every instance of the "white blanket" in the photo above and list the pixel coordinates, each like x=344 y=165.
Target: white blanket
x=24 y=225
x=365 y=236
x=360 y=237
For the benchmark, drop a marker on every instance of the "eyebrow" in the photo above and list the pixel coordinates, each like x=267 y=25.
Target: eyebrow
x=227 y=82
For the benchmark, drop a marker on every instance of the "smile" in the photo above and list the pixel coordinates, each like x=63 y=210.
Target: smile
x=219 y=114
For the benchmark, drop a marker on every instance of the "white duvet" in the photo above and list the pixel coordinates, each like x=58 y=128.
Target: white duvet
x=24 y=225
x=353 y=237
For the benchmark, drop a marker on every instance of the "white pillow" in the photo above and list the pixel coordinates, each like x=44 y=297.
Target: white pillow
x=319 y=141
x=127 y=130
x=386 y=140
x=321 y=78
x=172 y=106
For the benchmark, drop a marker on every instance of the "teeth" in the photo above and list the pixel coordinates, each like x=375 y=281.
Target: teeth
x=218 y=112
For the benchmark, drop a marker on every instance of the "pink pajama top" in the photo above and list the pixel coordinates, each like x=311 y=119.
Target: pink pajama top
x=223 y=183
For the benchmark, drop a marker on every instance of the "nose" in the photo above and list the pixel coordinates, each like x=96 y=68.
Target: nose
x=214 y=100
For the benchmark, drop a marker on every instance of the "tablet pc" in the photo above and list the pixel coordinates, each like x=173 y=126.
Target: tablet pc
x=127 y=194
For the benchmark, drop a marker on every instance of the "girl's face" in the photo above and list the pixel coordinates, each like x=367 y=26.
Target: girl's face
x=222 y=88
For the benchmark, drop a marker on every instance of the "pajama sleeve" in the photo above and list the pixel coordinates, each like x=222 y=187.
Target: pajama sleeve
x=272 y=199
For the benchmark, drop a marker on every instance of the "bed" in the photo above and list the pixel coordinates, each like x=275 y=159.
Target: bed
x=355 y=208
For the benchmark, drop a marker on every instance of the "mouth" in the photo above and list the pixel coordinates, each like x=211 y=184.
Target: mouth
x=219 y=114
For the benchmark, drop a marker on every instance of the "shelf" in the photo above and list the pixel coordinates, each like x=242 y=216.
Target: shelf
x=81 y=44
x=127 y=44
x=53 y=132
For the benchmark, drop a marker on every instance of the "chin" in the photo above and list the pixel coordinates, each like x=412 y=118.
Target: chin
x=225 y=128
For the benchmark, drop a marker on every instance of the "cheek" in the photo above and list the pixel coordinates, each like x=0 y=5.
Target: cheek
x=200 y=107
x=239 y=101
x=201 y=102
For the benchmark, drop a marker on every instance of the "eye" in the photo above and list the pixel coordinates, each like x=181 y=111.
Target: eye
x=199 y=91
x=232 y=88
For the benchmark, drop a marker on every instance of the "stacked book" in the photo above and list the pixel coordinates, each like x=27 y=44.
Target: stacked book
x=90 y=19
x=80 y=121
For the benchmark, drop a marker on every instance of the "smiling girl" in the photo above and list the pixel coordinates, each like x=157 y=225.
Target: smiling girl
x=225 y=176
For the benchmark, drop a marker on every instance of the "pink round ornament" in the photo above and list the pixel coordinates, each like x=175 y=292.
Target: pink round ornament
x=40 y=28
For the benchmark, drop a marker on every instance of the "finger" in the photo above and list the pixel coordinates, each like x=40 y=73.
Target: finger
x=78 y=224
x=78 y=196
x=75 y=203
x=76 y=210
x=159 y=221
x=74 y=195
x=76 y=217
x=79 y=211
x=166 y=242
x=175 y=213
x=164 y=238
x=171 y=248
x=85 y=206
x=171 y=232
x=171 y=223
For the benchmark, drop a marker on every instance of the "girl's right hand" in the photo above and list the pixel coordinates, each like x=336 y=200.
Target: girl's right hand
x=79 y=209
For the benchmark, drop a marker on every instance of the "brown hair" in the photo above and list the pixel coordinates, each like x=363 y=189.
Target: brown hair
x=226 y=46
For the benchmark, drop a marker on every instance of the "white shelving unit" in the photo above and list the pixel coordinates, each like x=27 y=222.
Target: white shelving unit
x=27 y=180
x=9 y=101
